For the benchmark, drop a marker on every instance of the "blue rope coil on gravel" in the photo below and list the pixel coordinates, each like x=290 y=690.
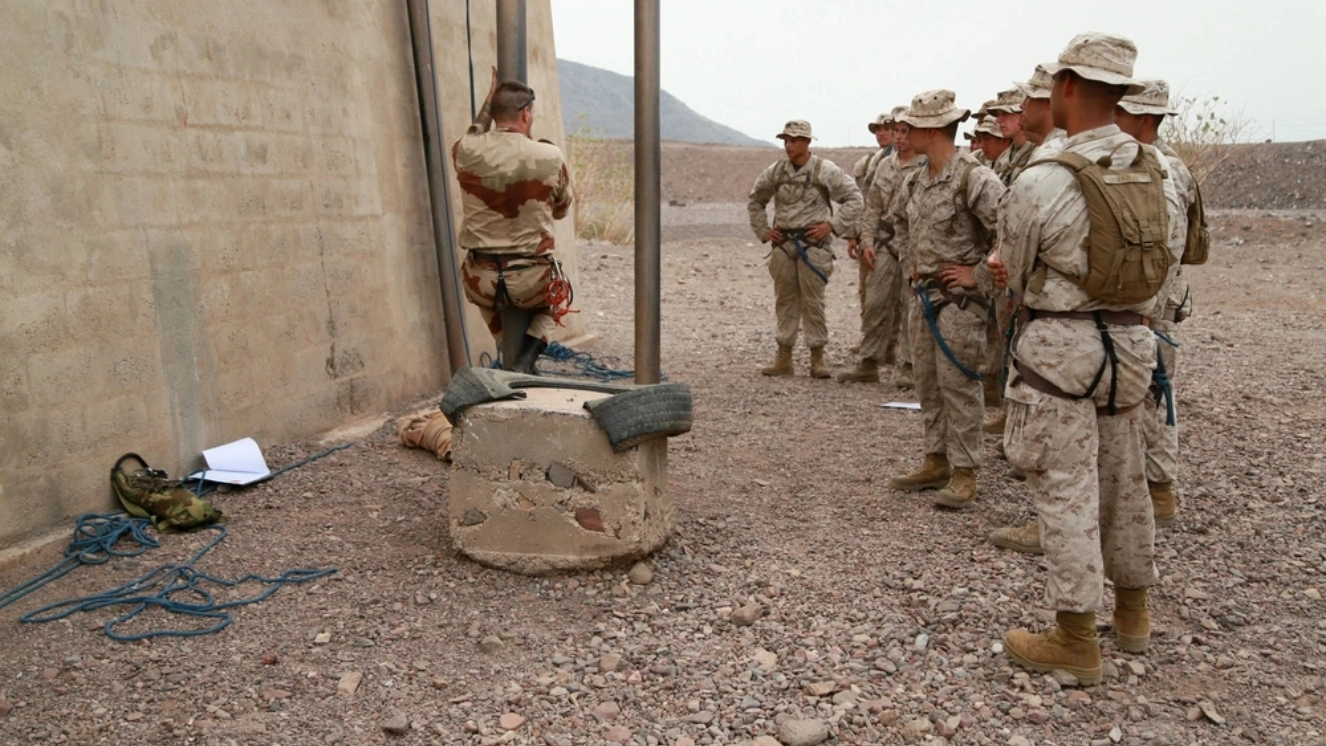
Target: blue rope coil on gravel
x=585 y=365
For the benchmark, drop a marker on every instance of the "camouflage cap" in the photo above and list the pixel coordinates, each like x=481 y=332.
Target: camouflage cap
x=1100 y=57
x=1009 y=102
x=897 y=112
x=883 y=120
x=934 y=109
x=795 y=128
x=985 y=109
x=1039 y=86
x=1153 y=100
x=989 y=126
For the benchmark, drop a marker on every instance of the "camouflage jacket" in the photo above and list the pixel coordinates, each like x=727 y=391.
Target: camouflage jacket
x=512 y=189
x=936 y=224
x=869 y=167
x=875 y=229
x=1013 y=159
x=1180 y=193
x=798 y=202
x=1053 y=143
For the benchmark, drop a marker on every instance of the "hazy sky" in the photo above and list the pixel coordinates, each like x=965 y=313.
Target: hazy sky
x=838 y=63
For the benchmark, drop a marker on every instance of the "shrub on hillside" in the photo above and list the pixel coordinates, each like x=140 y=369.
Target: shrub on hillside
x=603 y=177
x=1202 y=133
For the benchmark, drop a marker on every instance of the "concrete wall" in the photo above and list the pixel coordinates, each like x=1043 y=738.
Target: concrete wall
x=214 y=224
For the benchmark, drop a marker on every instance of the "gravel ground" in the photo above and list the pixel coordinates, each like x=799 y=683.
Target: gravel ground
x=798 y=587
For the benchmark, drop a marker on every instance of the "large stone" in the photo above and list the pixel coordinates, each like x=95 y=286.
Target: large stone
x=534 y=526
x=803 y=732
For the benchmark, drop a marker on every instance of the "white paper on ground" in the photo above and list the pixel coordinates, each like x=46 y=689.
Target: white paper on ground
x=901 y=405
x=240 y=462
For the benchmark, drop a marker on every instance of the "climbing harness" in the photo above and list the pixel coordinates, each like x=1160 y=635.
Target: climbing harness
x=931 y=312
x=795 y=235
x=1161 y=384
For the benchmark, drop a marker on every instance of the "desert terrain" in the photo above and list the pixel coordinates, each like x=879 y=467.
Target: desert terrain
x=883 y=616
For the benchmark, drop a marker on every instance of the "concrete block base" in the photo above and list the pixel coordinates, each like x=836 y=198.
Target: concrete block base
x=536 y=487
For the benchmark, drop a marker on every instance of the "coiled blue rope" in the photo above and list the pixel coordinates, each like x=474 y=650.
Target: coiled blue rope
x=586 y=365
x=932 y=320
x=95 y=537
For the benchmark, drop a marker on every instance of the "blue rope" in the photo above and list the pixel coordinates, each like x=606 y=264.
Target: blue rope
x=1160 y=380
x=801 y=249
x=586 y=365
x=158 y=588
x=95 y=536
x=931 y=319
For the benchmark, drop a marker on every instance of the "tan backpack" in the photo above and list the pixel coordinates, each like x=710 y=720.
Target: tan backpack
x=1128 y=256
x=1198 y=244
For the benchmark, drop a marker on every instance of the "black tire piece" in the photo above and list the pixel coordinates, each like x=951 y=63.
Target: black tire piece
x=471 y=386
x=643 y=413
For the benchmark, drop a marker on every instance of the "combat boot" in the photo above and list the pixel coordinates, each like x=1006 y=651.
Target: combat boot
x=960 y=492
x=932 y=475
x=817 y=367
x=905 y=380
x=866 y=371
x=990 y=386
x=1070 y=646
x=1025 y=538
x=1162 y=502
x=891 y=354
x=782 y=364
x=1132 y=621
x=994 y=423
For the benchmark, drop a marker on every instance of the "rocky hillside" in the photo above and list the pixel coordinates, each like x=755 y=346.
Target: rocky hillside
x=1280 y=175
x=599 y=103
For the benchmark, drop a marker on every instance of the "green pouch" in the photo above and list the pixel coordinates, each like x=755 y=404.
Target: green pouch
x=149 y=493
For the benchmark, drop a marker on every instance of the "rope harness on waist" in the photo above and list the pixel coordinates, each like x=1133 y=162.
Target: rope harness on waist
x=795 y=234
x=931 y=311
x=1111 y=359
x=1161 y=385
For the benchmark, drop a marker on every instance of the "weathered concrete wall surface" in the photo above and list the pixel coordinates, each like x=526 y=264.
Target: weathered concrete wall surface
x=214 y=224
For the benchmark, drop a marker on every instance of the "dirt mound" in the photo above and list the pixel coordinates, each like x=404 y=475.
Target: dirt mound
x=1269 y=176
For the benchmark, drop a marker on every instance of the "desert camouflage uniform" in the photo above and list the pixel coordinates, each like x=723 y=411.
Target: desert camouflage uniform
x=864 y=173
x=1162 y=439
x=1084 y=469
x=938 y=227
x=1014 y=158
x=883 y=319
x=798 y=290
x=512 y=189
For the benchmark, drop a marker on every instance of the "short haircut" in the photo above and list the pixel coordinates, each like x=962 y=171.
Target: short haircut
x=1098 y=91
x=950 y=130
x=509 y=98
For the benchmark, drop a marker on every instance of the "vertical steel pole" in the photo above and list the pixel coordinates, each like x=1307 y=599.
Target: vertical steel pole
x=438 y=192
x=647 y=193
x=512 y=60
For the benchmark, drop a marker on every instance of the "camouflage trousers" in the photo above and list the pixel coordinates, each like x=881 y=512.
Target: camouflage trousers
x=523 y=280
x=996 y=335
x=1086 y=473
x=881 y=305
x=952 y=404
x=799 y=293
x=1162 y=440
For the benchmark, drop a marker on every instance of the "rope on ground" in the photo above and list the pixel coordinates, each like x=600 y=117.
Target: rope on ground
x=585 y=365
x=95 y=536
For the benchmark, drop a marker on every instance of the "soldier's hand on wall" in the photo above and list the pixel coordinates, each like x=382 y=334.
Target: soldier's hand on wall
x=819 y=231
x=773 y=236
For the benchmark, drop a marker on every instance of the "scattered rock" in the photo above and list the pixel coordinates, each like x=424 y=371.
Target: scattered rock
x=589 y=519
x=610 y=662
x=349 y=683
x=703 y=717
x=641 y=574
x=491 y=644
x=608 y=710
x=821 y=688
x=917 y=729
x=473 y=517
x=746 y=615
x=561 y=476
x=510 y=721
x=765 y=741
x=396 y=724
x=803 y=732
x=766 y=660
x=322 y=638
x=1209 y=710
x=618 y=734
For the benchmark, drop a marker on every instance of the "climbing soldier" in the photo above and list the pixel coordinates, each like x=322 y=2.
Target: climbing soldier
x=944 y=215
x=803 y=187
x=1086 y=265
x=512 y=189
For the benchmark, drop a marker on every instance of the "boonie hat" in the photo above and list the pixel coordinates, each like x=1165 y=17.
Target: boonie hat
x=1099 y=57
x=934 y=109
x=985 y=109
x=883 y=120
x=897 y=112
x=1009 y=101
x=989 y=126
x=1039 y=86
x=1154 y=99
x=795 y=128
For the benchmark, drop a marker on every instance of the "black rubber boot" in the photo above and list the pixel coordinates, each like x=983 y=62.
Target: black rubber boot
x=529 y=355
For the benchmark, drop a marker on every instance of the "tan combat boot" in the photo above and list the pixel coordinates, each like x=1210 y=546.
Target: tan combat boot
x=782 y=364
x=1163 y=502
x=905 y=380
x=866 y=371
x=995 y=422
x=1071 y=646
x=1132 y=621
x=932 y=475
x=990 y=386
x=1025 y=538
x=960 y=492
x=817 y=367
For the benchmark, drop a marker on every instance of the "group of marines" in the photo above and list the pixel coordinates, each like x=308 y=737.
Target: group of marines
x=978 y=279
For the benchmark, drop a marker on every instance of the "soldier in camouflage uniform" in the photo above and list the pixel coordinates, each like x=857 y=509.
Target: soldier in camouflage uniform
x=883 y=321
x=512 y=189
x=1083 y=461
x=863 y=171
x=1008 y=113
x=944 y=215
x=1141 y=115
x=991 y=140
x=803 y=187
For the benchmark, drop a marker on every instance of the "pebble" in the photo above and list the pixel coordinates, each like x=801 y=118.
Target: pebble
x=349 y=683
x=322 y=638
x=765 y=741
x=746 y=615
x=607 y=710
x=491 y=644
x=821 y=688
x=685 y=741
x=641 y=574
x=917 y=728
x=396 y=724
x=5 y=708
x=510 y=721
x=766 y=660
x=610 y=662
x=803 y=732
x=618 y=734
x=703 y=717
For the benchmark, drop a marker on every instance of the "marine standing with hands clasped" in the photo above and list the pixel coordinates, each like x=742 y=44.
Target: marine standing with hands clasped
x=803 y=188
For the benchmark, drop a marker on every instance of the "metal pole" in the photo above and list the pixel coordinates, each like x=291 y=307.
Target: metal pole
x=647 y=193
x=439 y=193
x=512 y=61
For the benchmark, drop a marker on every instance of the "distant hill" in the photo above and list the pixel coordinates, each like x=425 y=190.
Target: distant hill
x=602 y=103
